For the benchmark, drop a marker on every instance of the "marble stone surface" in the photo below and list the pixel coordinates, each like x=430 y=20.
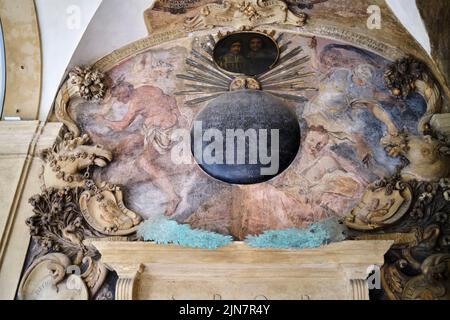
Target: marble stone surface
x=259 y=112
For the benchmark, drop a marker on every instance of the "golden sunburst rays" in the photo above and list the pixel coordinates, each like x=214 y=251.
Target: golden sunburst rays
x=202 y=75
x=288 y=79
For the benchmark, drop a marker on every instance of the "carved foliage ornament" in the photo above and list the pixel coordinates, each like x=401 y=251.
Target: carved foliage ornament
x=247 y=13
x=89 y=83
x=57 y=224
x=409 y=75
x=84 y=84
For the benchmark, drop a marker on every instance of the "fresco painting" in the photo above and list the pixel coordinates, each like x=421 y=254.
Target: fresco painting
x=249 y=53
x=342 y=123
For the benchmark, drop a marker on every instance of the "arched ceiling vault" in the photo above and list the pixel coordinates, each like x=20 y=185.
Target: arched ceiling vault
x=107 y=26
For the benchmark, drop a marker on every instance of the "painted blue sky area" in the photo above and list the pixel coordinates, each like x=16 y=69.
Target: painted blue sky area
x=407 y=113
x=356 y=74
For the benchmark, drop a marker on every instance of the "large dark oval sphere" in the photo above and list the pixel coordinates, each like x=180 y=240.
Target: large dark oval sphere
x=246 y=109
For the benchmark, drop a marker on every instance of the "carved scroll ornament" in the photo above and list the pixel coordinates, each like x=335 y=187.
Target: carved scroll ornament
x=64 y=163
x=89 y=83
x=50 y=278
x=84 y=84
x=247 y=13
x=427 y=157
x=409 y=75
x=46 y=279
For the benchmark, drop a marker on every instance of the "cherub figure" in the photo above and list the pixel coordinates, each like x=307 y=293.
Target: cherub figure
x=160 y=113
x=342 y=92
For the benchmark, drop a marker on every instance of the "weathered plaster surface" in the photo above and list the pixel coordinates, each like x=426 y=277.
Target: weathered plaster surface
x=19 y=180
x=23 y=59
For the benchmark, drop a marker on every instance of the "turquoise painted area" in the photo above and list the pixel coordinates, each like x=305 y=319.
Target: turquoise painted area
x=164 y=231
x=318 y=234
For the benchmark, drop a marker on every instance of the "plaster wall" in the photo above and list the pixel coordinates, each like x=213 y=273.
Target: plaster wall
x=62 y=24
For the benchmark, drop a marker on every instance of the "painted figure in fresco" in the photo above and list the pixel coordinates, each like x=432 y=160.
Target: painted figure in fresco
x=259 y=59
x=342 y=93
x=326 y=177
x=233 y=61
x=160 y=113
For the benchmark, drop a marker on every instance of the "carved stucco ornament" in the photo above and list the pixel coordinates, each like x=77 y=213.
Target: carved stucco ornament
x=54 y=277
x=104 y=210
x=47 y=279
x=420 y=272
x=433 y=283
x=84 y=84
x=384 y=203
x=417 y=265
x=73 y=208
x=94 y=276
x=89 y=82
x=65 y=168
x=427 y=156
x=58 y=225
x=64 y=162
x=244 y=14
x=66 y=165
x=408 y=75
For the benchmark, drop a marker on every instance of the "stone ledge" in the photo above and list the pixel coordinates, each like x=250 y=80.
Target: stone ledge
x=150 y=271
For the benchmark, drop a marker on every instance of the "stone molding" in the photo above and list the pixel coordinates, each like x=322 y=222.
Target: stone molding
x=336 y=271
